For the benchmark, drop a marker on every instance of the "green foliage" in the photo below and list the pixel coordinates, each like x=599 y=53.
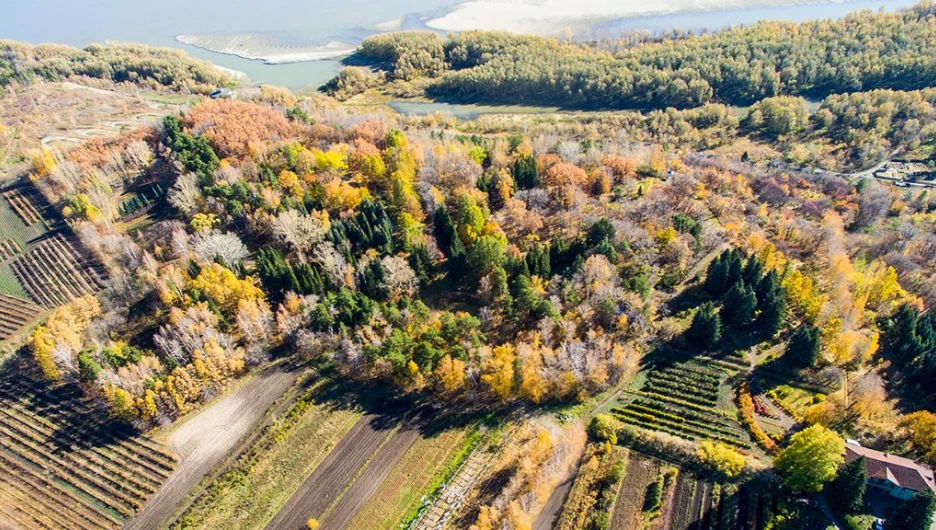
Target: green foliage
x=88 y=368
x=406 y=55
x=910 y=340
x=811 y=459
x=738 y=66
x=846 y=492
x=602 y=230
x=705 y=330
x=802 y=350
x=486 y=253
x=196 y=154
x=777 y=116
x=739 y=306
x=525 y=173
x=916 y=513
x=145 y=66
x=603 y=428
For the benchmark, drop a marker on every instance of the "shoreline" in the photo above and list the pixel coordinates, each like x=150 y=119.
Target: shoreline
x=539 y=17
x=241 y=45
x=550 y=17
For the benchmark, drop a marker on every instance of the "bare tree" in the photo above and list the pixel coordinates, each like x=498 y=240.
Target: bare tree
x=185 y=195
x=213 y=245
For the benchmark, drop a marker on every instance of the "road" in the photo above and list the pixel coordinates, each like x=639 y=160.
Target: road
x=205 y=440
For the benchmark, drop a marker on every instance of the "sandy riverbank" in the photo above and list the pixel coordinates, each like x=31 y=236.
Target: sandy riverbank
x=556 y=16
x=269 y=48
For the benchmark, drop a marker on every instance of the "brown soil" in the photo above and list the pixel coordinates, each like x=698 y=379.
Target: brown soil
x=207 y=439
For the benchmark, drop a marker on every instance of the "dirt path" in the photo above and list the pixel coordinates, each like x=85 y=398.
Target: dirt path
x=553 y=507
x=332 y=477
x=208 y=438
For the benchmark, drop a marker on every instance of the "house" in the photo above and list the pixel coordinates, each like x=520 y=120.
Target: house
x=894 y=475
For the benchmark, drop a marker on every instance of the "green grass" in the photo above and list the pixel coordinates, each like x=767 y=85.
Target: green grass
x=252 y=493
x=9 y=285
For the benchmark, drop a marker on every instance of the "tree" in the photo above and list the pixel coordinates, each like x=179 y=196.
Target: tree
x=803 y=349
x=915 y=513
x=705 y=329
x=721 y=458
x=603 y=428
x=739 y=306
x=497 y=371
x=846 y=492
x=773 y=314
x=312 y=524
x=484 y=255
x=811 y=460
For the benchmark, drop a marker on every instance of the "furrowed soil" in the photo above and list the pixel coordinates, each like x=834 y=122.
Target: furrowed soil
x=630 y=498
x=207 y=439
x=336 y=472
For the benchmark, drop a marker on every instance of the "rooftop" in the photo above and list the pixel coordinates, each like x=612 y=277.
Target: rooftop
x=895 y=469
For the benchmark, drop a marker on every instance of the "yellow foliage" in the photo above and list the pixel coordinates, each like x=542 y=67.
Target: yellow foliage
x=204 y=221
x=497 y=371
x=64 y=327
x=722 y=458
x=42 y=161
x=220 y=285
x=451 y=374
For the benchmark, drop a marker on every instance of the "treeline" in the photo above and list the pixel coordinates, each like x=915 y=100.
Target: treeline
x=862 y=51
x=143 y=65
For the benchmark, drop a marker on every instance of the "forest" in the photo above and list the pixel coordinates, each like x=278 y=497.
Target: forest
x=671 y=318
x=135 y=64
x=738 y=66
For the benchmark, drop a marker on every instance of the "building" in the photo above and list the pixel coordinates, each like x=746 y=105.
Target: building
x=894 y=475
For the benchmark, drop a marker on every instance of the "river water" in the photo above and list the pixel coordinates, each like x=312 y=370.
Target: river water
x=316 y=22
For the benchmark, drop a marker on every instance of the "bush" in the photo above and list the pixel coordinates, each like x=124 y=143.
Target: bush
x=720 y=458
x=603 y=428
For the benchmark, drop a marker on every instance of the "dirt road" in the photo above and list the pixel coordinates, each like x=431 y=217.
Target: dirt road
x=208 y=438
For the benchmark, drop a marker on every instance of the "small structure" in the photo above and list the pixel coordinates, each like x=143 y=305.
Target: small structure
x=896 y=476
x=223 y=93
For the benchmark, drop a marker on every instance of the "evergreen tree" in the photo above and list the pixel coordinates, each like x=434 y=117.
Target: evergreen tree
x=915 y=513
x=524 y=172
x=421 y=263
x=739 y=306
x=753 y=271
x=773 y=313
x=602 y=230
x=803 y=349
x=717 y=275
x=846 y=491
x=705 y=330
x=446 y=234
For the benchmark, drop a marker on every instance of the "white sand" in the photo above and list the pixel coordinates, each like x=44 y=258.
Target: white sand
x=554 y=16
x=261 y=47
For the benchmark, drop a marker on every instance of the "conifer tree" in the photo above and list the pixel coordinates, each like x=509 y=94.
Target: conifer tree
x=846 y=491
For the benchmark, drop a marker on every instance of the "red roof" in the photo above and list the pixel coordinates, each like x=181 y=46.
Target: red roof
x=900 y=471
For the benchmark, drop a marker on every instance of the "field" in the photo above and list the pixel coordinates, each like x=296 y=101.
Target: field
x=42 y=265
x=689 y=399
x=632 y=491
x=277 y=463
x=64 y=465
x=400 y=495
x=204 y=440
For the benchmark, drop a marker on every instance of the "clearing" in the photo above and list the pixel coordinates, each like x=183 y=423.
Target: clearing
x=208 y=438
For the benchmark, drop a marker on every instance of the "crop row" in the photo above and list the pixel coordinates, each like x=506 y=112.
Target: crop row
x=14 y=314
x=681 y=404
x=700 y=386
x=681 y=430
x=128 y=449
x=723 y=425
x=54 y=273
x=23 y=205
x=683 y=391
